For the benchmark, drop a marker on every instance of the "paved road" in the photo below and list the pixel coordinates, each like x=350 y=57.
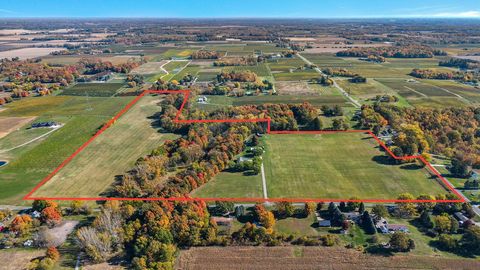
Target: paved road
x=352 y=100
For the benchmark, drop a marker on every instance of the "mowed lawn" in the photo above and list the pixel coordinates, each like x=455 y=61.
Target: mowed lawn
x=112 y=153
x=231 y=185
x=340 y=165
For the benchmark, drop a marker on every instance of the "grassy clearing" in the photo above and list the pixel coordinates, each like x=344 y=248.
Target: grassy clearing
x=370 y=89
x=297 y=75
x=392 y=68
x=190 y=69
x=231 y=185
x=285 y=64
x=149 y=68
x=339 y=165
x=33 y=106
x=292 y=99
x=113 y=153
x=73 y=59
x=422 y=94
x=173 y=68
x=260 y=69
x=30 y=164
x=181 y=53
x=93 y=89
x=469 y=92
x=206 y=76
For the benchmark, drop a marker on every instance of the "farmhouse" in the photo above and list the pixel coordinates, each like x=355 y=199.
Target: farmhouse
x=49 y=124
x=383 y=226
x=202 y=99
x=397 y=228
x=460 y=217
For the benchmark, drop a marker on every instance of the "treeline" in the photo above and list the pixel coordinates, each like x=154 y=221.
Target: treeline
x=460 y=63
x=204 y=54
x=236 y=61
x=341 y=72
x=408 y=51
x=237 y=76
x=26 y=71
x=445 y=75
x=94 y=66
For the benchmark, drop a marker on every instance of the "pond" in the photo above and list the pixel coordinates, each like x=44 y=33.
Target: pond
x=2 y=163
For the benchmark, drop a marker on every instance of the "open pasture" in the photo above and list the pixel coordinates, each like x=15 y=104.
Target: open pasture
x=339 y=165
x=259 y=69
x=29 y=164
x=93 y=89
x=112 y=153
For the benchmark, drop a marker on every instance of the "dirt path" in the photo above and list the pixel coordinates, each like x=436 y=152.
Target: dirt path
x=32 y=140
x=415 y=91
x=264 y=183
x=451 y=93
x=352 y=100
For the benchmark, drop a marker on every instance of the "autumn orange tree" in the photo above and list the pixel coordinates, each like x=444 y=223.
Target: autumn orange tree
x=21 y=224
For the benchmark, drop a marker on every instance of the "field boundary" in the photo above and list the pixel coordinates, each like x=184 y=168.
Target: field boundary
x=444 y=182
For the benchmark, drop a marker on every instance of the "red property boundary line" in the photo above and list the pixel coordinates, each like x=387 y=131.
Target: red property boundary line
x=177 y=119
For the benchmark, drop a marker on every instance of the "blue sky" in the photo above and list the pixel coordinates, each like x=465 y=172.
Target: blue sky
x=241 y=8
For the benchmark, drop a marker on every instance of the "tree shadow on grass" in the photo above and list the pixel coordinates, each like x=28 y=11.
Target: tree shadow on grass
x=384 y=160
x=411 y=166
x=379 y=251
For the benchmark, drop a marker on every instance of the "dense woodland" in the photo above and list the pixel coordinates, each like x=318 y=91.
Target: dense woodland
x=445 y=75
x=453 y=132
x=460 y=63
x=409 y=51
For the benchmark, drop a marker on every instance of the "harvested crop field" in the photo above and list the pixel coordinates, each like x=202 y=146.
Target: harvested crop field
x=18 y=259
x=294 y=87
x=9 y=124
x=151 y=68
x=26 y=53
x=289 y=257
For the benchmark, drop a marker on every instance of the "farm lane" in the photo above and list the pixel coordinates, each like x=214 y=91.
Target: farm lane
x=354 y=101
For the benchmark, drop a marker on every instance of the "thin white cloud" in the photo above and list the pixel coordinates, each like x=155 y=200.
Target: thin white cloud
x=7 y=11
x=465 y=14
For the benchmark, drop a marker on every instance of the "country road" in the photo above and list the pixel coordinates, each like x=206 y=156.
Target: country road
x=352 y=100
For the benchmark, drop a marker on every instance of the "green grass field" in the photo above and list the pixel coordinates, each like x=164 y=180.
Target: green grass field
x=339 y=165
x=190 y=69
x=260 y=69
x=370 y=89
x=392 y=68
x=112 y=153
x=422 y=94
x=292 y=99
x=93 y=89
x=231 y=185
x=29 y=164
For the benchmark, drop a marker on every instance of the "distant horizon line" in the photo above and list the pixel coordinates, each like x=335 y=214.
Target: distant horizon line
x=254 y=17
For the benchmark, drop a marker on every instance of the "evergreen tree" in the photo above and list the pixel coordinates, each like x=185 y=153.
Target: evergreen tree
x=367 y=223
x=361 y=208
x=426 y=220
